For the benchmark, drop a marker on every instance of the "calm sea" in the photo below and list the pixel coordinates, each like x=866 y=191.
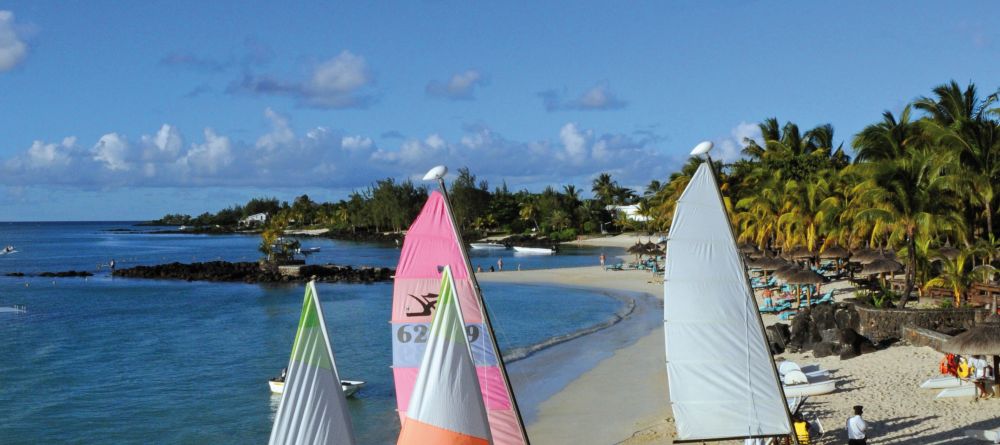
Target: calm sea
x=104 y=360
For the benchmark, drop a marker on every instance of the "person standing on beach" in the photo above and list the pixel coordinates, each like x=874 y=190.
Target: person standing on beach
x=857 y=428
x=602 y=259
x=500 y=264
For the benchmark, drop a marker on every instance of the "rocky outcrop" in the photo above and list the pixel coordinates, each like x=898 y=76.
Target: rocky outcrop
x=255 y=272
x=824 y=329
x=65 y=274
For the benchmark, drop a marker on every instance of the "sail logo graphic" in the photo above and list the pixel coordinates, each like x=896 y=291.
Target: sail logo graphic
x=427 y=303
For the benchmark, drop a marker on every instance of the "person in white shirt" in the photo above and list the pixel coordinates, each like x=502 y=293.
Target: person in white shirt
x=856 y=428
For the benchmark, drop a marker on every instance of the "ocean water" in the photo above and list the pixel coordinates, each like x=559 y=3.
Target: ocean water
x=109 y=360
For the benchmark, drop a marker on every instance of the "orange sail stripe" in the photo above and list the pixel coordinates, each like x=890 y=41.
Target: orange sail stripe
x=416 y=432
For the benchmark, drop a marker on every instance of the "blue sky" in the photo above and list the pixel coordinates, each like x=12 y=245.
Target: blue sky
x=129 y=110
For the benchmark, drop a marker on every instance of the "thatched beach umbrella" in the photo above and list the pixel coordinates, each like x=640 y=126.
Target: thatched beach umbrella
x=865 y=255
x=767 y=263
x=638 y=249
x=881 y=266
x=948 y=252
x=803 y=276
x=749 y=250
x=834 y=253
x=784 y=271
x=800 y=253
x=983 y=339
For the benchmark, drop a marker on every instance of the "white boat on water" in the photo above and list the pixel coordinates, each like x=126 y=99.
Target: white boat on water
x=308 y=250
x=534 y=250
x=350 y=386
x=487 y=246
x=8 y=250
x=15 y=309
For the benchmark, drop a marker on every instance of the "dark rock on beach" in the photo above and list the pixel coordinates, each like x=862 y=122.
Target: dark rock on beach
x=825 y=329
x=256 y=273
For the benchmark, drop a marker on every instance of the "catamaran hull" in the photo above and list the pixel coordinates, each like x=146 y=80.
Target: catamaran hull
x=350 y=386
x=488 y=246
x=956 y=392
x=811 y=389
x=944 y=382
x=533 y=250
x=987 y=435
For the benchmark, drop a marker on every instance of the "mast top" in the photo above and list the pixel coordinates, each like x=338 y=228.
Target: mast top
x=436 y=173
x=702 y=148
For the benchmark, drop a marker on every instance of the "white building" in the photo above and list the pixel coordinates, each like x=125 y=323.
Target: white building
x=253 y=220
x=630 y=211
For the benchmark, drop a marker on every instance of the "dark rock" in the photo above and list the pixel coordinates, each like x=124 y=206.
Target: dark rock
x=777 y=337
x=66 y=274
x=823 y=317
x=803 y=331
x=830 y=336
x=823 y=349
x=248 y=272
x=866 y=347
x=849 y=337
x=15 y=274
x=846 y=355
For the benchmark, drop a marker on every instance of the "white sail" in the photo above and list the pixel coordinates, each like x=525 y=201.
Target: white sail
x=313 y=408
x=723 y=384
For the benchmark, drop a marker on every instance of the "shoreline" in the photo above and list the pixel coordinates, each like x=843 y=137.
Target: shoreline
x=579 y=382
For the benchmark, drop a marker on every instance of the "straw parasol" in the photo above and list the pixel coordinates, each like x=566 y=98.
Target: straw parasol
x=881 y=266
x=800 y=276
x=767 y=263
x=749 y=250
x=834 y=253
x=983 y=339
x=948 y=252
x=638 y=249
x=865 y=255
x=800 y=253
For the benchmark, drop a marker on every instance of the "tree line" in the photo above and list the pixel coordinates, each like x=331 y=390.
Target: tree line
x=924 y=183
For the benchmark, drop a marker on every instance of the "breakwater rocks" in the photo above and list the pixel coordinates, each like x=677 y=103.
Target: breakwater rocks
x=248 y=272
x=825 y=329
x=66 y=274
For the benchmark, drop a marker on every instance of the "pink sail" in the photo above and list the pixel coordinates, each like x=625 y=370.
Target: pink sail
x=431 y=243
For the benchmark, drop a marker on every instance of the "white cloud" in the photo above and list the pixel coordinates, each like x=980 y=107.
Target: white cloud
x=575 y=142
x=598 y=97
x=461 y=86
x=339 y=82
x=13 y=50
x=356 y=143
x=211 y=156
x=730 y=148
x=42 y=155
x=112 y=149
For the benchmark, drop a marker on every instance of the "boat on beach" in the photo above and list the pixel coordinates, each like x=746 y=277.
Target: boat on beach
x=943 y=382
x=957 y=392
x=487 y=246
x=534 y=250
x=723 y=381
x=350 y=387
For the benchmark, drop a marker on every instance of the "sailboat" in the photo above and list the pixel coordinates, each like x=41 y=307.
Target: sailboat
x=431 y=242
x=446 y=407
x=722 y=379
x=313 y=409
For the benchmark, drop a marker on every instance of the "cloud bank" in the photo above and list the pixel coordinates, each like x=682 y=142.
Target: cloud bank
x=282 y=157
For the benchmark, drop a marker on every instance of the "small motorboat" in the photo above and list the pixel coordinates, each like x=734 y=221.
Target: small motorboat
x=309 y=250
x=488 y=246
x=350 y=386
x=534 y=250
x=8 y=250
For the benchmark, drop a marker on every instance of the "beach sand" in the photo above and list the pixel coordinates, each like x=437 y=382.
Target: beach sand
x=623 y=397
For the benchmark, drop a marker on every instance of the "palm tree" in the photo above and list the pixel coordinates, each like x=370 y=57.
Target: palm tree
x=888 y=139
x=529 y=213
x=604 y=188
x=958 y=274
x=915 y=197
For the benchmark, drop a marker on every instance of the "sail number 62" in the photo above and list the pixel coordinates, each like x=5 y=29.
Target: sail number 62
x=418 y=333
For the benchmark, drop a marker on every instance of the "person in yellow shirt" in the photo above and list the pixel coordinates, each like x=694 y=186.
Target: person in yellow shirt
x=801 y=429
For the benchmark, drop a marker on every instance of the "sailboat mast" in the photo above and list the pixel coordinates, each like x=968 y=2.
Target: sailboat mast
x=760 y=319
x=482 y=304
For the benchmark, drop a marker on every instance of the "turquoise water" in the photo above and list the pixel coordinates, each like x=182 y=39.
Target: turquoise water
x=107 y=360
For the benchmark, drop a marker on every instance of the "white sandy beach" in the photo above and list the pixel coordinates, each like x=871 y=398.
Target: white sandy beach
x=623 y=399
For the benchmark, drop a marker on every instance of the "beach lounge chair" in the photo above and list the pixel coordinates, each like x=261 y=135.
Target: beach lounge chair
x=616 y=266
x=786 y=315
x=987 y=435
x=781 y=306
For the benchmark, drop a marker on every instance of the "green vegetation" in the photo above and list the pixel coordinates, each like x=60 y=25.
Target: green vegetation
x=917 y=183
